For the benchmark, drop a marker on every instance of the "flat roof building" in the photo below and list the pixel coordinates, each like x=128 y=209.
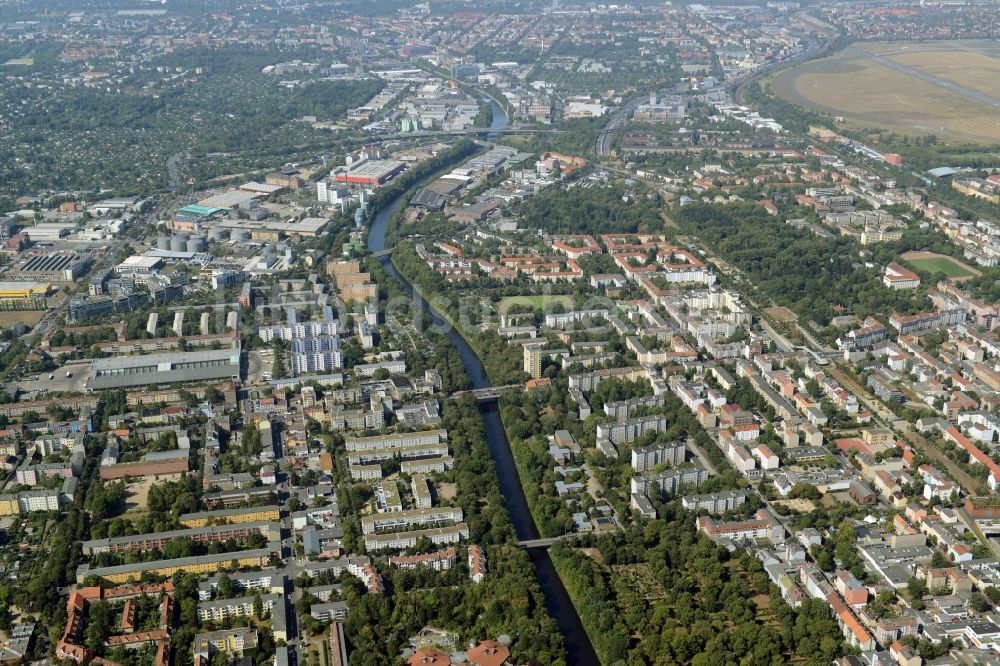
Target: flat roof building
x=372 y=173
x=23 y=291
x=195 y=565
x=129 y=371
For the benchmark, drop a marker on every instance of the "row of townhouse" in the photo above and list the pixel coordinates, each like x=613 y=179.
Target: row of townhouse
x=220 y=610
x=401 y=540
x=395 y=440
x=370 y=456
x=393 y=520
x=201 y=564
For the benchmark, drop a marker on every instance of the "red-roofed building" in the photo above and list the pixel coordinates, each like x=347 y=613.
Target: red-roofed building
x=848 y=444
x=129 y=612
x=576 y=246
x=477 y=564
x=489 y=653
x=766 y=457
x=163 y=654
x=976 y=456
x=854 y=631
x=769 y=206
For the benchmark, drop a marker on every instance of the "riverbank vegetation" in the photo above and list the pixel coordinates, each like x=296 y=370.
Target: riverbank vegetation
x=509 y=601
x=664 y=593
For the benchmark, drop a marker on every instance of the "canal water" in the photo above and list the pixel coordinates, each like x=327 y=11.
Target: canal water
x=578 y=646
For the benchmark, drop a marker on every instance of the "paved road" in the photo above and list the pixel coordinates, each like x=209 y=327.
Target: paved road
x=617 y=120
x=173 y=171
x=782 y=341
x=700 y=454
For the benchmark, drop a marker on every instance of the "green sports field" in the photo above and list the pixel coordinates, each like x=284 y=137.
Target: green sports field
x=540 y=301
x=949 y=267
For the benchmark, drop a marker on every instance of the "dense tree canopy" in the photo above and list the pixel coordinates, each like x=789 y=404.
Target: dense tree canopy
x=794 y=267
x=590 y=210
x=665 y=594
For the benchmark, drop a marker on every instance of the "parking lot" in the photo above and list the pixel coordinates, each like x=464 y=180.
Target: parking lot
x=41 y=384
x=259 y=365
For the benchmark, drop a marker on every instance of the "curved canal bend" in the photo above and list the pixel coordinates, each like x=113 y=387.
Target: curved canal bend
x=578 y=647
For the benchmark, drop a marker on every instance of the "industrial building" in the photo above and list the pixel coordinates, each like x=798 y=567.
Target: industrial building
x=18 y=295
x=130 y=371
x=55 y=265
x=372 y=173
x=139 y=265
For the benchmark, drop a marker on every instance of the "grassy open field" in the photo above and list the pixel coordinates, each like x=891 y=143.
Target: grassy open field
x=541 y=301
x=12 y=317
x=973 y=64
x=781 y=314
x=939 y=88
x=938 y=263
x=25 y=61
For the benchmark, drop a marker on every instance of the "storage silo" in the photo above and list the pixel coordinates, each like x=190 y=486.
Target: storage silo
x=179 y=243
x=163 y=242
x=197 y=244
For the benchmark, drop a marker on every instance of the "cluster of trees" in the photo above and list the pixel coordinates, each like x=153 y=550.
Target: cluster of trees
x=794 y=267
x=508 y=602
x=475 y=472
x=590 y=210
x=84 y=338
x=11 y=357
x=986 y=286
x=577 y=136
x=174 y=497
x=707 y=606
x=105 y=500
x=485 y=117
x=230 y=110
x=329 y=99
x=793 y=117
